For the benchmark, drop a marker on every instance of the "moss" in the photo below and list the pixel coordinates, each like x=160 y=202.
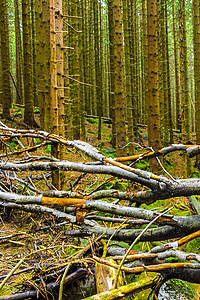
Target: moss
x=70 y=250
x=143 y=165
x=18 y=114
x=36 y=110
x=48 y=149
x=193 y=246
x=146 y=294
x=109 y=152
x=176 y=288
x=92 y=120
x=120 y=185
x=13 y=145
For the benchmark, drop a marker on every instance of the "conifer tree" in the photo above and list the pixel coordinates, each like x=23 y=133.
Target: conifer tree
x=196 y=40
x=117 y=72
x=153 y=83
x=5 y=60
x=74 y=71
x=19 y=61
x=128 y=93
x=28 y=64
x=176 y=73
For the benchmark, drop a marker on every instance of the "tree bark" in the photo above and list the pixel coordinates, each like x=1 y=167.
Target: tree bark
x=19 y=61
x=28 y=64
x=153 y=85
x=5 y=60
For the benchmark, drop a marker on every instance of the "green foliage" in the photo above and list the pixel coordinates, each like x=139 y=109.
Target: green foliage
x=107 y=137
x=122 y=245
x=195 y=174
x=103 y=214
x=13 y=145
x=141 y=247
x=37 y=141
x=180 y=287
x=107 y=121
x=48 y=149
x=120 y=185
x=84 y=242
x=36 y=110
x=108 y=186
x=109 y=152
x=18 y=112
x=15 y=285
x=179 y=212
x=146 y=293
x=193 y=246
x=92 y=120
x=143 y=165
x=70 y=250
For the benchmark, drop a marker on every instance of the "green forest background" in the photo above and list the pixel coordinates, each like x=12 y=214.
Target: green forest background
x=132 y=62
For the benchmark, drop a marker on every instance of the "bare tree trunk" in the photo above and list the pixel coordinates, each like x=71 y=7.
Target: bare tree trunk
x=19 y=61
x=35 y=100
x=111 y=77
x=5 y=60
x=196 y=39
x=185 y=119
x=75 y=92
x=119 y=130
x=82 y=71
x=177 y=81
x=128 y=94
x=41 y=19
x=153 y=85
x=97 y=64
x=169 y=99
x=145 y=59
x=67 y=100
x=28 y=64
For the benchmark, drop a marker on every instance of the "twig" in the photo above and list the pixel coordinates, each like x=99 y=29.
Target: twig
x=136 y=240
x=62 y=281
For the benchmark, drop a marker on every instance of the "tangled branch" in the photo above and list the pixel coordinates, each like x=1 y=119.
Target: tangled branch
x=35 y=193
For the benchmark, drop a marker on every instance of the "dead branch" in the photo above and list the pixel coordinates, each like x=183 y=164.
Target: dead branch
x=126 y=290
x=82 y=210
x=49 y=287
x=161 y=256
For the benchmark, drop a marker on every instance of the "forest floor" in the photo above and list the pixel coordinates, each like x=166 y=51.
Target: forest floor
x=24 y=232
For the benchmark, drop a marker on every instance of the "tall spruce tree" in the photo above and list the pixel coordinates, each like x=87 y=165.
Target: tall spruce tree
x=196 y=41
x=117 y=73
x=176 y=65
x=153 y=83
x=74 y=70
x=5 y=60
x=19 y=61
x=128 y=93
x=28 y=64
